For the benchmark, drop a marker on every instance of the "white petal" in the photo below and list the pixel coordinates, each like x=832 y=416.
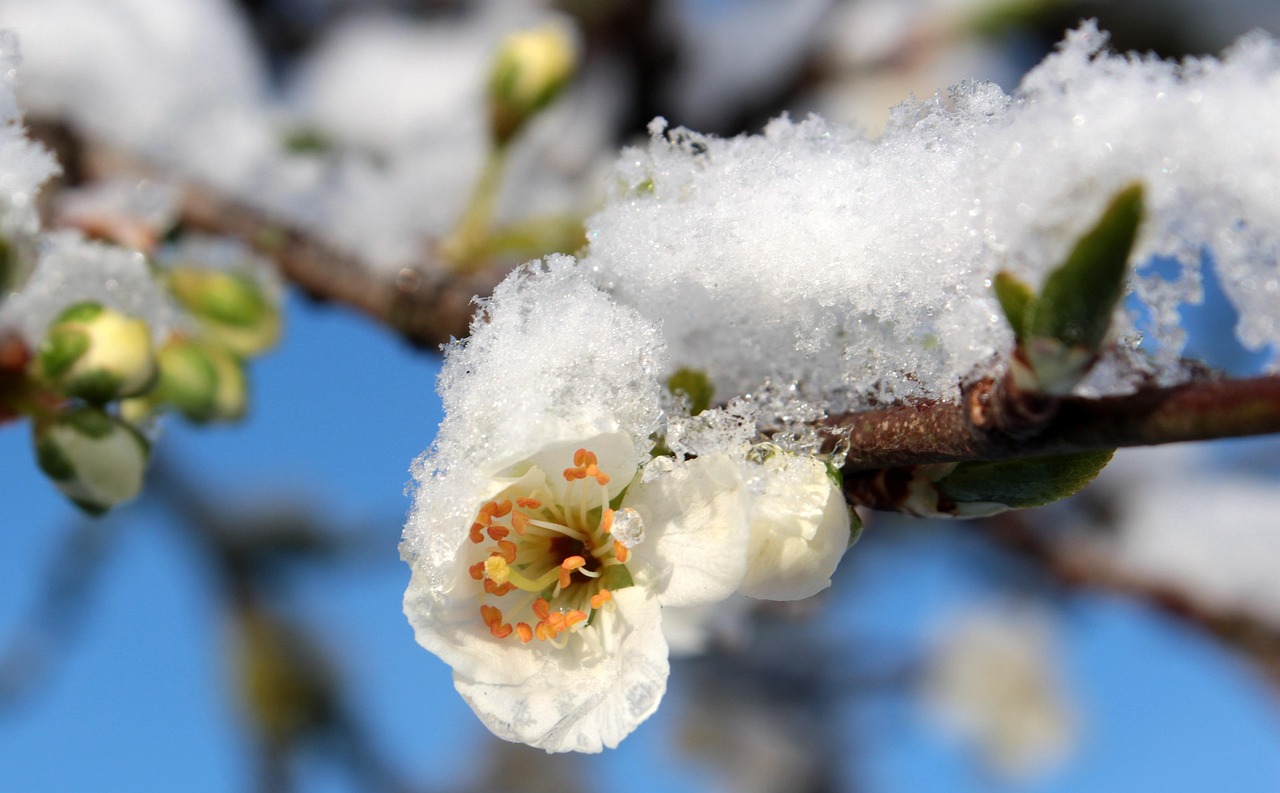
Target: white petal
x=615 y=455
x=799 y=530
x=580 y=700
x=695 y=524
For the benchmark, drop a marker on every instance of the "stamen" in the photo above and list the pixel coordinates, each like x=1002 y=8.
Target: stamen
x=621 y=552
x=606 y=521
x=497 y=590
x=567 y=567
x=499 y=532
x=574 y=617
x=507 y=550
x=519 y=522
x=528 y=503
x=503 y=509
x=525 y=632
x=600 y=598
x=477 y=570
x=476 y=536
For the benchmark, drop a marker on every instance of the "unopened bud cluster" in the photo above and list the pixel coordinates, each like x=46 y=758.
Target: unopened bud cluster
x=98 y=375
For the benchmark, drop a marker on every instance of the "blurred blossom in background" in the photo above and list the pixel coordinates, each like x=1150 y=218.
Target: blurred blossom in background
x=240 y=626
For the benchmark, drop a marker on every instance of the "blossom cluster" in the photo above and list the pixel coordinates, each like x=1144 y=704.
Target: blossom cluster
x=102 y=327
x=630 y=434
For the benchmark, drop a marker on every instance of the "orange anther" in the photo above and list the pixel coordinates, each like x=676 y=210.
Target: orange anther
x=606 y=521
x=541 y=608
x=503 y=509
x=498 y=532
x=526 y=633
x=580 y=457
x=600 y=598
x=543 y=632
x=528 y=503
x=519 y=522
x=494 y=588
x=490 y=615
x=601 y=477
x=476 y=536
x=573 y=563
x=476 y=570
x=620 y=552
x=500 y=631
x=574 y=617
x=571 y=474
x=486 y=512
x=507 y=550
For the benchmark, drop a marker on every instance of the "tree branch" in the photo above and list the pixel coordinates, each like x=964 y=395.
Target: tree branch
x=426 y=302
x=980 y=427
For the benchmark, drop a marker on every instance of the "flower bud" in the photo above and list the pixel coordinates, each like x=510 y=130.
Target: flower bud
x=96 y=460
x=529 y=71
x=232 y=308
x=203 y=381
x=97 y=354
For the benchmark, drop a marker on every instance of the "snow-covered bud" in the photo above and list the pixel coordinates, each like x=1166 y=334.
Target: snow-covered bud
x=96 y=460
x=97 y=354
x=233 y=309
x=203 y=381
x=529 y=71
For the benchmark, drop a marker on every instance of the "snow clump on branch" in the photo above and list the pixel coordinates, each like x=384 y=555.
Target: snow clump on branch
x=861 y=269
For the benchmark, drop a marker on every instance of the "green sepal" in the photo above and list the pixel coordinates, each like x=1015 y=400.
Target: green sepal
x=834 y=474
x=52 y=460
x=81 y=312
x=60 y=349
x=694 y=386
x=855 y=527
x=98 y=387
x=615 y=577
x=1016 y=298
x=89 y=422
x=1031 y=482
x=1078 y=298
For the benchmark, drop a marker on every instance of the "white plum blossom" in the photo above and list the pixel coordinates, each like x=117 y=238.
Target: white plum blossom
x=552 y=625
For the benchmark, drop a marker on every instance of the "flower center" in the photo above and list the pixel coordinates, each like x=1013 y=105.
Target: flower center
x=551 y=561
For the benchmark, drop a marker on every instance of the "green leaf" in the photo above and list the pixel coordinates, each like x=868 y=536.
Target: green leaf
x=52 y=460
x=694 y=385
x=1016 y=299
x=1078 y=298
x=80 y=312
x=1023 y=483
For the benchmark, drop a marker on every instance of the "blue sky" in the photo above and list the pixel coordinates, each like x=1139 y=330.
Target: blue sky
x=142 y=699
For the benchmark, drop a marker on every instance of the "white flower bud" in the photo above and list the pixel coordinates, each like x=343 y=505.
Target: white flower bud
x=96 y=460
x=800 y=528
x=202 y=381
x=529 y=71
x=97 y=354
x=232 y=308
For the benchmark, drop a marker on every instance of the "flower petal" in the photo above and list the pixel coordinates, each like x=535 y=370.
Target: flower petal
x=580 y=699
x=799 y=530
x=696 y=531
x=615 y=456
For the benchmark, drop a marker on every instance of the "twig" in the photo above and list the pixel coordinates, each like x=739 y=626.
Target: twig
x=424 y=302
x=973 y=428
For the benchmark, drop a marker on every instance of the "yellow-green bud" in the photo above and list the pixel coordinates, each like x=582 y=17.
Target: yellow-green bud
x=529 y=71
x=203 y=381
x=232 y=308
x=96 y=460
x=96 y=354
